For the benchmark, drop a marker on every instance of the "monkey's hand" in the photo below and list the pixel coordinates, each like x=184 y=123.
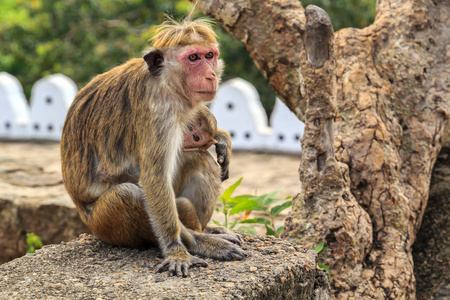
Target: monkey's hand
x=223 y=151
x=178 y=260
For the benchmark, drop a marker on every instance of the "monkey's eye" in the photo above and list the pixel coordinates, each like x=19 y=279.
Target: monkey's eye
x=190 y=127
x=209 y=55
x=193 y=57
x=196 y=137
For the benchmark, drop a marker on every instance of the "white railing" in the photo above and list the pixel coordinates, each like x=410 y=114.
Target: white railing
x=237 y=109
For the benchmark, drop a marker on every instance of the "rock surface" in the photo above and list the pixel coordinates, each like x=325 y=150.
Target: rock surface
x=431 y=251
x=33 y=198
x=87 y=268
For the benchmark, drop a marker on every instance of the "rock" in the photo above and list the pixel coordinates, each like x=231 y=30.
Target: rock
x=33 y=199
x=431 y=251
x=87 y=268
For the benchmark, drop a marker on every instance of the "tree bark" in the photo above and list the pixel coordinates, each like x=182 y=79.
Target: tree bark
x=392 y=89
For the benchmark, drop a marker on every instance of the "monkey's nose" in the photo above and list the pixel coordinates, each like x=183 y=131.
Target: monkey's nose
x=211 y=76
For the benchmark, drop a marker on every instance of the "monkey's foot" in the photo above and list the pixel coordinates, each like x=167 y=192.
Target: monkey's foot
x=178 y=261
x=217 y=246
x=224 y=233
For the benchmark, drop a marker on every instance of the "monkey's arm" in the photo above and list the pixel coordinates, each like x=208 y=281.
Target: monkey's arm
x=223 y=151
x=162 y=212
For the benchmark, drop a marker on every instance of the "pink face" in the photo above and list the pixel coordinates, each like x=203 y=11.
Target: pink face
x=200 y=66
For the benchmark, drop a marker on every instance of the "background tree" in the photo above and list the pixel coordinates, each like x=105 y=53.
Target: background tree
x=390 y=82
x=82 y=38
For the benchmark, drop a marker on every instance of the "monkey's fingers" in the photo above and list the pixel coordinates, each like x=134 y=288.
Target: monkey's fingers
x=163 y=266
x=225 y=234
x=198 y=262
x=176 y=268
x=224 y=175
x=179 y=267
x=235 y=239
x=235 y=253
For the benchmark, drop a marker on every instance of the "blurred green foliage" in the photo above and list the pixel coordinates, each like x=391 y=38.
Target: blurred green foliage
x=83 y=38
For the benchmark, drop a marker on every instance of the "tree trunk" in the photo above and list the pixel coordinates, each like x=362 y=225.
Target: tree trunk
x=366 y=199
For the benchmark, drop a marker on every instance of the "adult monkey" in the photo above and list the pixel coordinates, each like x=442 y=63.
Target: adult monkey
x=130 y=120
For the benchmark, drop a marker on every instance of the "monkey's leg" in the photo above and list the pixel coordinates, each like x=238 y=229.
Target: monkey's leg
x=188 y=214
x=118 y=217
x=202 y=190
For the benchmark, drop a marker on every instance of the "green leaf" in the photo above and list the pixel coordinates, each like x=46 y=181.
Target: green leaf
x=247 y=229
x=260 y=208
x=326 y=268
x=257 y=220
x=280 y=230
x=269 y=231
x=279 y=208
x=319 y=247
x=242 y=206
x=269 y=197
x=241 y=198
x=227 y=194
x=34 y=242
x=217 y=223
x=217 y=209
x=233 y=224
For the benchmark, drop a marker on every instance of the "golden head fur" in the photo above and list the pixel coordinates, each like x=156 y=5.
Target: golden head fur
x=172 y=33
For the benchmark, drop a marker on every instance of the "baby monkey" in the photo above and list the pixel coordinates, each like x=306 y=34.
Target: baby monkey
x=201 y=136
x=197 y=184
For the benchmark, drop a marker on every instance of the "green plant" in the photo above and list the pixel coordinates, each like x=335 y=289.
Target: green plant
x=319 y=249
x=34 y=242
x=248 y=203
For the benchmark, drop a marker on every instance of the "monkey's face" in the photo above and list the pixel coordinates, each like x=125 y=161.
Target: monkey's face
x=201 y=67
x=199 y=137
x=192 y=71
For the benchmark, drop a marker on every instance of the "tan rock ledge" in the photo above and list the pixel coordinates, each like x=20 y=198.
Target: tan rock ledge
x=87 y=268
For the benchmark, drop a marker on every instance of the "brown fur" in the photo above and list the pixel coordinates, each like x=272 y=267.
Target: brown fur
x=129 y=123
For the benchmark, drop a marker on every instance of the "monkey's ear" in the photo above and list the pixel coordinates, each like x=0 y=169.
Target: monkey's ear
x=154 y=60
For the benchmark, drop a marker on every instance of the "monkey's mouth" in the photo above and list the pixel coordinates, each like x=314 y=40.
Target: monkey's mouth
x=206 y=92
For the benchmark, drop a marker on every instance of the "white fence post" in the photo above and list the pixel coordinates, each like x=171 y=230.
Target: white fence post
x=14 y=110
x=287 y=129
x=239 y=111
x=50 y=99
